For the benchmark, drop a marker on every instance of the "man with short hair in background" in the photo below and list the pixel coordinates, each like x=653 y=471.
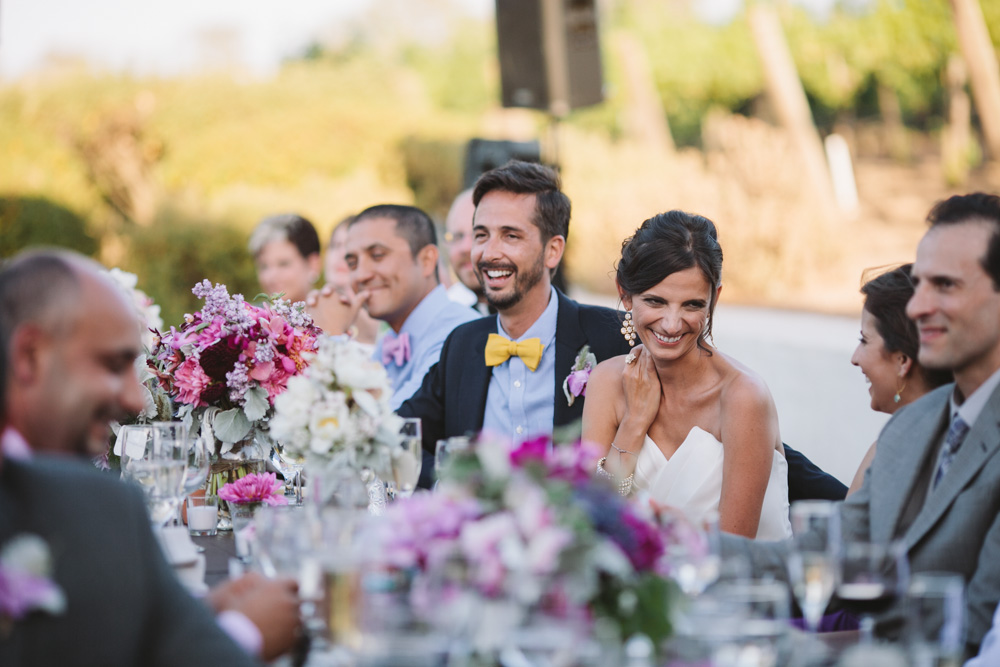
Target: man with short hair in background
x=458 y=239
x=392 y=253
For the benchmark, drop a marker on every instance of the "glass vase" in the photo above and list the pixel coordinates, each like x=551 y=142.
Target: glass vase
x=246 y=456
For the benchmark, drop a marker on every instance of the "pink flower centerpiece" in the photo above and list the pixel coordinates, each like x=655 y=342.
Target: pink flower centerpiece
x=229 y=361
x=531 y=526
x=254 y=489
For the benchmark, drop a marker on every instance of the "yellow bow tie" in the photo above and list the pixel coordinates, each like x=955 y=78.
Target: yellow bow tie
x=499 y=350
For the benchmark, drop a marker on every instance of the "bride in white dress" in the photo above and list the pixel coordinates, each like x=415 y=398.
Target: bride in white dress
x=682 y=422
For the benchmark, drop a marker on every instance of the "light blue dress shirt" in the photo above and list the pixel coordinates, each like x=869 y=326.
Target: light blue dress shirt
x=520 y=403
x=428 y=325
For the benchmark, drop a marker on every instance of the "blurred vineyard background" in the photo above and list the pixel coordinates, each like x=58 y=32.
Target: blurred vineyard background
x=164 y=176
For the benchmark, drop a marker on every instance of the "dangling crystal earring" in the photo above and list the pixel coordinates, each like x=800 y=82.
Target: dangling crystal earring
x=896 y=398
x=627 y=329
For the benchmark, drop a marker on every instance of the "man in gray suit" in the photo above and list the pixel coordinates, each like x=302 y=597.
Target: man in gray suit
x=69 y=338
x=935 y=481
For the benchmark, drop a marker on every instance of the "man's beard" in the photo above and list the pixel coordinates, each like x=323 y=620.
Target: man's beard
x=523 y=282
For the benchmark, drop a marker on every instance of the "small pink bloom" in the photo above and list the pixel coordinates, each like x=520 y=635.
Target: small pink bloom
x=254 y=488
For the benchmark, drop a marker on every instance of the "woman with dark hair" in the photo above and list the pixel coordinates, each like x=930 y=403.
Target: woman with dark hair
x=285 y=249
x=887 y=351
x=682 y=422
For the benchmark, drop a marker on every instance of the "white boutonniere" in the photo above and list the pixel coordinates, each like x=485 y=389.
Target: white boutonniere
x=575 y=383
x=25 y=580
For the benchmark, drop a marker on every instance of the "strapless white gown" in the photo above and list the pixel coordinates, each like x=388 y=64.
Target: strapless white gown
x=691 y=480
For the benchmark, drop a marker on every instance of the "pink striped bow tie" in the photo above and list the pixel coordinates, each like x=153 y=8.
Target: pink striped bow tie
x=395 y=348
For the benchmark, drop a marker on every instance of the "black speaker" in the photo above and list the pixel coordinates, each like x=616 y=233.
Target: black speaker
x=481 y=155
x=550 y=57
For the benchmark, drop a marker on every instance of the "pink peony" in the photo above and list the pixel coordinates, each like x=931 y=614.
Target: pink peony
x=189 y=381
x=254 y=488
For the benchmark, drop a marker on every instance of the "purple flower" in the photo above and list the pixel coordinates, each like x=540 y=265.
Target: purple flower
x=254 y=488
x=24 y=582
x=646 y=543
x=577 y=382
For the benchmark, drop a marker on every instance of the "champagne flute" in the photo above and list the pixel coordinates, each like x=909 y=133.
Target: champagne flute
x=812 y=563
x=872 y=576
x=407 y=457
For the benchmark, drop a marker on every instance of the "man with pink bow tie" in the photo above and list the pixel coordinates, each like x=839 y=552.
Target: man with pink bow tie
x=393 y=258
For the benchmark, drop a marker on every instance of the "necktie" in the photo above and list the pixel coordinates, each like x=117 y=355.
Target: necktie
x=395 y=349
x=500 y=349
x=956 y=434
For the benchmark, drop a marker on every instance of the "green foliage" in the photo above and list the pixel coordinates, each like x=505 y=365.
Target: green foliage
x=177 y=252
x=33 y=221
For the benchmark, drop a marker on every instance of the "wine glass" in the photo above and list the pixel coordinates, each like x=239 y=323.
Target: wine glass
x=935 y=606
x=407 y=457
x=812 y=563
x=872 y=577
x=197 y=466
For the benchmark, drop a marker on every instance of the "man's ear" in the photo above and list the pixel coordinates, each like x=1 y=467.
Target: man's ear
x=427 y=258
x=554 y=249
x=29 y=346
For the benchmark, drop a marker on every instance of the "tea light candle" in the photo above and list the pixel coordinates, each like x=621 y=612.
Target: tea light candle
x=202 y=517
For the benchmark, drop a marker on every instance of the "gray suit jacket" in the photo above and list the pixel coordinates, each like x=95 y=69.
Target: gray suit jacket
x=124 y=604
x=958 y=526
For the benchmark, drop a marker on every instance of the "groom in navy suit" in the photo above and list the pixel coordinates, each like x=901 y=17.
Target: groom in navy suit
x=505 y=374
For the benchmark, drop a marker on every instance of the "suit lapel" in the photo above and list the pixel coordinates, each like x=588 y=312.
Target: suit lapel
x=570 y=337
x=904 y=459
x=476 y=380
x=979 y=445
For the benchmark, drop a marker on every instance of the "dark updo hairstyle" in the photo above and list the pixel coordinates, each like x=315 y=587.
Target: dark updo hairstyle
x=668 y=243
x=886 y=296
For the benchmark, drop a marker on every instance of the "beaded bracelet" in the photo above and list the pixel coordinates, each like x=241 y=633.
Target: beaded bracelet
x=624 y=486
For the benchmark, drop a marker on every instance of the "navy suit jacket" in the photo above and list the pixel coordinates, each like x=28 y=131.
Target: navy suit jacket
x=452 y=399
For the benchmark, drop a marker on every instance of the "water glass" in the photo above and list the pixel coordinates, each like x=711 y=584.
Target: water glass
x=133 y=443
x=202 y=514
x=445 y=448
x=935 y=606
